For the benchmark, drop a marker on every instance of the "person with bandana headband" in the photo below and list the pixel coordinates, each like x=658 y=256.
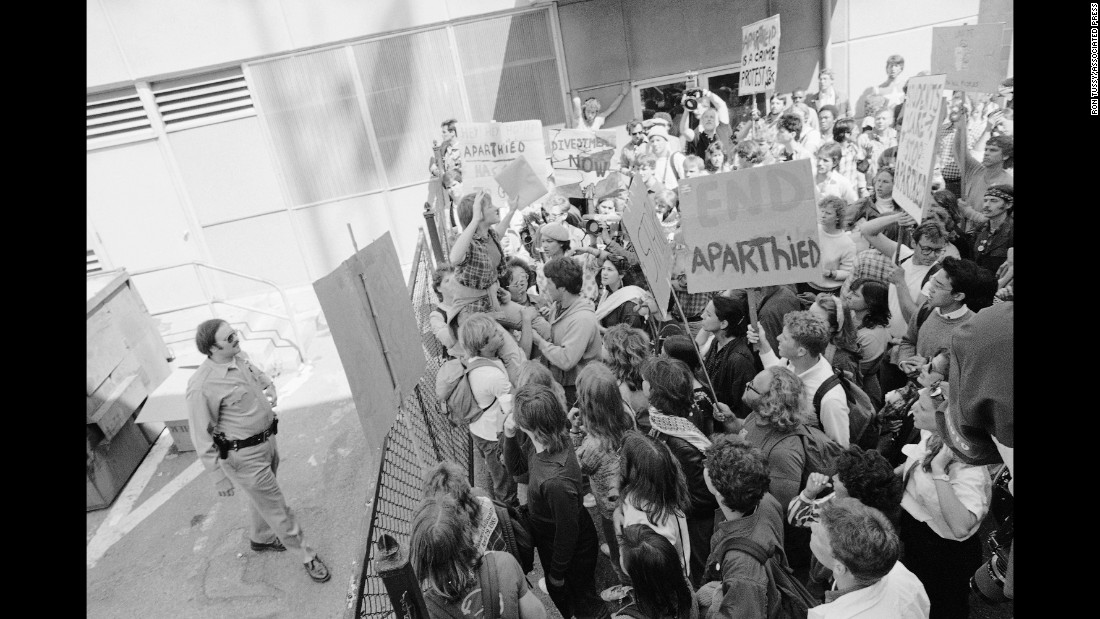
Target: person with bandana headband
x=991 y=240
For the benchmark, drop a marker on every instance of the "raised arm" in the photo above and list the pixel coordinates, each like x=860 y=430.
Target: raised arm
x=619 y=99
x=462 y=243
x=872 y=231
x=719 y=105
x=502 y=226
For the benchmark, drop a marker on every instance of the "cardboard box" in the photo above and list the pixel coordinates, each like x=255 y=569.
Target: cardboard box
x=111 y=463
x=168 y=405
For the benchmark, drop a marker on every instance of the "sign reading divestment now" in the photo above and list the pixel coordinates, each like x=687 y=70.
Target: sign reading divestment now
x=749 y=228
x=917 y=143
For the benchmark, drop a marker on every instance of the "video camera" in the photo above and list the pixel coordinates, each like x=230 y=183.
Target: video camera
x=595 y=225
x=692 y=98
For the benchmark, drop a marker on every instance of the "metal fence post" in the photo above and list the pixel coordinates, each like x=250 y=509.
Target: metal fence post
x=392 y=565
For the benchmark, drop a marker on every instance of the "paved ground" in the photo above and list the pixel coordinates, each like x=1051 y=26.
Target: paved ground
x=189 y=557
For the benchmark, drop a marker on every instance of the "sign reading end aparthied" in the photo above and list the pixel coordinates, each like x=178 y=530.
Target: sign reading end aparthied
x=749 y=228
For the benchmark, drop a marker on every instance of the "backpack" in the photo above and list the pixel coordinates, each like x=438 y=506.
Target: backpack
x=453 y=391
x=863 y=423
x=515 y=526
x=491 y=600
x=820 y=449
x=787 y=597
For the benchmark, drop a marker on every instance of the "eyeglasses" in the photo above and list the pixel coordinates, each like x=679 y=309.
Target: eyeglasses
x=233 y=338
x=930 y=251
x=750 y=387
x=519 y=283
x=798 y=98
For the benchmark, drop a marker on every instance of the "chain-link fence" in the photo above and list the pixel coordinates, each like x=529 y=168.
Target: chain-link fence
x=420 y=437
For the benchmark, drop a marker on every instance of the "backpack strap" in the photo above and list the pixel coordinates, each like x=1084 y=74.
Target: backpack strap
x=490 y=587
x=479 y=363
x=825 y=387
x=923 y=313
x=747 y=546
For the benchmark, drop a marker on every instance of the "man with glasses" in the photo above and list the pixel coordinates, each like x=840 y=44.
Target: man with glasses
x=633 y=150
x=916 y=267
x=955 y=293
x=230 y=406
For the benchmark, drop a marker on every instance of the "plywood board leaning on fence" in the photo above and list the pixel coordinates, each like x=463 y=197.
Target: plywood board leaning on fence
x=650 y=242
x=917 y=142
x=367 y=307
x=749 y=228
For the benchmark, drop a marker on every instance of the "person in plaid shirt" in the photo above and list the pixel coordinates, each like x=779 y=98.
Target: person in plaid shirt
x=477 y=255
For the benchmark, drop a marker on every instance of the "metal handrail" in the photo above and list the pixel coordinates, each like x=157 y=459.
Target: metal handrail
x=290 y=317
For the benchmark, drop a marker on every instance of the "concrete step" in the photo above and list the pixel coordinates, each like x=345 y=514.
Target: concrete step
x=265 y=338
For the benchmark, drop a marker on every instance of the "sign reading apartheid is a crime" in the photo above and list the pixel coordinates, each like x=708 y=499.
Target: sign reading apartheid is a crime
x=917 y=143
x=750 y=228
x=650 y=242
x=759 y=56
x=970 y=57
x=577 y=155
x=487 y=148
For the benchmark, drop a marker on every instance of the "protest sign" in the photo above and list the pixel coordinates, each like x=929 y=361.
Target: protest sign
x=917 y=143
x=970 y=57
x=366 y=305
x=577 y=155
x=752 y=227
x=650 y=242
x=518 y=179
x=488 y=147
x=759 y=56
x=999 y=11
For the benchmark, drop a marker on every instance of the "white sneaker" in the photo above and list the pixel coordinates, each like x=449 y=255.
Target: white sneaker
x=542 y=585
x=589 y=500
x=604 y=548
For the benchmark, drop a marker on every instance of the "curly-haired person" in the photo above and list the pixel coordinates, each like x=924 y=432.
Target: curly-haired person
x=779 y=405
x=801 y=347
x=624 y=350
x=737 y=474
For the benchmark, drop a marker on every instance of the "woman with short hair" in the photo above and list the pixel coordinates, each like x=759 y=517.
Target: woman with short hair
x=477 y=255
x=562 y=528
x=624 y=351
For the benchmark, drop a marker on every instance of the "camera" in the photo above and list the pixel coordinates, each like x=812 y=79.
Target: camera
x=691 y=99
x=595 y=226
x=988 y=582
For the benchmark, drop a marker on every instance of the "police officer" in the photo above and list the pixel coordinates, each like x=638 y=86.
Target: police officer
x=233 y=426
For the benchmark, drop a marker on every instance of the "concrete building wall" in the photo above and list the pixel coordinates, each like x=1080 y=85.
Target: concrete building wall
x=135 y=39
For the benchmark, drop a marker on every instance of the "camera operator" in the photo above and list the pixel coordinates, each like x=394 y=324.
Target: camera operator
x=706 y=120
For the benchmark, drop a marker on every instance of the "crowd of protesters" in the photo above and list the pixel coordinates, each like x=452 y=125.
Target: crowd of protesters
x=684 y=436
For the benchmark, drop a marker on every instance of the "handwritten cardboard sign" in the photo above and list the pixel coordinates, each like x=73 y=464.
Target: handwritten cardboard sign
x=577 y=155
x=917 y=143
x=487 y=148
x=650 y=242
x=518 y=179
x=753 y=227
x=759 y=56
x=971 y=57
x=366 y=305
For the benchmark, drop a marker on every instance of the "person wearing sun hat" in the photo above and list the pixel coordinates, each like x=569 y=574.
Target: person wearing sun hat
x=670 y=164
